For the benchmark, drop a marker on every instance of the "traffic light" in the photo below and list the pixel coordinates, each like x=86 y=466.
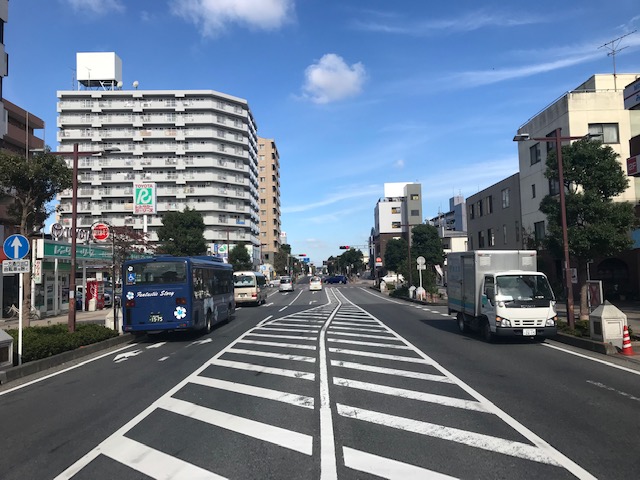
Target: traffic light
x=302 y=254
x=345 y=247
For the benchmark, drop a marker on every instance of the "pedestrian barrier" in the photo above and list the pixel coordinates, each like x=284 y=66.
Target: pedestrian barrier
x=627 y=349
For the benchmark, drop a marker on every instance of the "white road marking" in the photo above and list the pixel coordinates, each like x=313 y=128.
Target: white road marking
x=380 y=355
x=122 y=357
x=201 y=342
x=283 y=308
x=298 y=442
x=369 y=344
x=411 y=394
x=156 y=345
x=276 y=395
x=604 y=362
x=264 y=320
x=288 y=337
x=386 y=467
x=364 y=335
x=611 y=389
x=303 y=330
x=60 y=372
x=372 y=330
x=392 y=371
x=279 y=344
x=252 y=367
x=472 y=439
x=154 y=463
x=163 y=359
x=282 y=356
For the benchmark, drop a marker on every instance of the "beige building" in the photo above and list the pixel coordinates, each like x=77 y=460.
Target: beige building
x=269 y=194
x=595 y=107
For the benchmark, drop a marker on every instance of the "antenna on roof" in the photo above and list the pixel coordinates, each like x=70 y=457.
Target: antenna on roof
x=612 y=46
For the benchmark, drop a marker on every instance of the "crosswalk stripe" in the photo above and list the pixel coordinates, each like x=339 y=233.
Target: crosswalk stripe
x=305 y=330
x=380 y=355
x=357 y=329
x=472 y=439
x=288 y=337
x=283 y=372
x=282 y=356
x=387 y=468
x=411 y=394
x=391 y=371
x=153 y=463
x=369 y=344
x=260 y=392
x=278 y=344
x=364 y=335
x=299 y=442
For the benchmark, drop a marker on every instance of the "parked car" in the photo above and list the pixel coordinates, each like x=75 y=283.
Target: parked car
x=286 y=284
x=108 y=299
x=315 y=283
x=336 y=279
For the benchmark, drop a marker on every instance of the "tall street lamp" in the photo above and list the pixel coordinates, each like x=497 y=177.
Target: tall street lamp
x=71 y=321
x=558 y=139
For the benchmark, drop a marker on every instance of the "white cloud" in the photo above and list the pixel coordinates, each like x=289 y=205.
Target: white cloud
x=214 y=16
x=350 y=192
x=331 y=79
x=99 y=7
x=399 y=163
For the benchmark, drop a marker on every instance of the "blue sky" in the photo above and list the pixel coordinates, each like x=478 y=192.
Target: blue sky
x=355 y=93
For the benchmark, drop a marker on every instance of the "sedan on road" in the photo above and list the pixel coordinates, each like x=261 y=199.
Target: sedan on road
x=315 y=283
x=286 y=284
x=336 y=279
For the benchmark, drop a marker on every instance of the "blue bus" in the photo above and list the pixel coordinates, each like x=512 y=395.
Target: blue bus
x=166 y=293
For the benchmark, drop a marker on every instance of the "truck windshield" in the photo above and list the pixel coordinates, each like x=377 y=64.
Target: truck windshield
x=524 y=289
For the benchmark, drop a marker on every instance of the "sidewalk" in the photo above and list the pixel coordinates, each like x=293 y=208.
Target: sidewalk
x=629 y=308
x=102 y=317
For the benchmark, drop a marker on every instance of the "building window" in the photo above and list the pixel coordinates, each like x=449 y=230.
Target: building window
x=489 y=204
x=491 y=237
x=534 y=154
x=505 y=198
x=471 y=212
x=415 y=213
x=395 y=209
x=479 y=208
x=504 y=234
x=415 y=196
x=533 y=191
x=481 y=239
x=607 y=132
x=539 y=230
x=396 y=224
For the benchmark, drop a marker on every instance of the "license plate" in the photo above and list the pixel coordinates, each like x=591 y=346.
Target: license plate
x=528 y=332
x=155 y=318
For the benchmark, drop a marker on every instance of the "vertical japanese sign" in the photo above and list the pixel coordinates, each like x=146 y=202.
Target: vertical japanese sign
x=144 y=198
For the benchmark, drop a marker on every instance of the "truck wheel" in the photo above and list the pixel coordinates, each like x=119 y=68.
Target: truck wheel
x=487 y=334
x=462 y=326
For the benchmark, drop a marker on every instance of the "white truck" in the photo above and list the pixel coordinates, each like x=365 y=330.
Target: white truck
x=500 y=293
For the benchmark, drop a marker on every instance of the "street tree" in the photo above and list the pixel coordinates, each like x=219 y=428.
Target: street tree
x=351 y=261
x=182 y=233
x=240 y=259
x=129 y=243
x=596 y=225
x=427 y=243
x=281 y=259
x=395 y=256
x=30 y=184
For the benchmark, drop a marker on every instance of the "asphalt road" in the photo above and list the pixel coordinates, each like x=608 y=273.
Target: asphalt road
x=343 y=383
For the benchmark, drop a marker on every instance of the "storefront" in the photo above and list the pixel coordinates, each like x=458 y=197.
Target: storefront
x=52 y=265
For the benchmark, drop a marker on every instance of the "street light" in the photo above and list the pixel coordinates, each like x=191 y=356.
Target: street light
x=74 y=219
x=558 y=139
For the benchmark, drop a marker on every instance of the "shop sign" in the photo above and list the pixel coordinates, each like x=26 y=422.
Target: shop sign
x=63 y=250
x=37 y=272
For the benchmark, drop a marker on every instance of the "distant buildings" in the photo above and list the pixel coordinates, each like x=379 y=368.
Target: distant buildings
x=269 y=194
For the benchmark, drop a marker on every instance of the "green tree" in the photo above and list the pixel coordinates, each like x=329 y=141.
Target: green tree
x=426 y=243
x=27 y=186
x=128 y=243
x=596 y=225
x=395 y=256
x=281 y=259
x=351 y=261
x=240 y=259
x=182 y=233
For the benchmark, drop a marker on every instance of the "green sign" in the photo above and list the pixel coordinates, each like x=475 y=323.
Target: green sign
x=83 y=252
x=144 y=198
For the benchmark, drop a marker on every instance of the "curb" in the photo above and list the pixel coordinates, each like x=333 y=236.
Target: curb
x=585 y=343
x=14 y=373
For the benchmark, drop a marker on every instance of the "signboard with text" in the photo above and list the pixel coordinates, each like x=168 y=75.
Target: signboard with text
x=144 y=198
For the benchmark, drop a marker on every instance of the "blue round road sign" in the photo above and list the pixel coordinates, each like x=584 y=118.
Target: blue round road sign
x=16 y=247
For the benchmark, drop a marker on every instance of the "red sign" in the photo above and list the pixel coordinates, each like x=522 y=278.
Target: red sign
x=632 y=166
x=100 y=231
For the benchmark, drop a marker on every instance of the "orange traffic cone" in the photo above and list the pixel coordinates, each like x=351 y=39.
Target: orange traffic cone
x=627 y=349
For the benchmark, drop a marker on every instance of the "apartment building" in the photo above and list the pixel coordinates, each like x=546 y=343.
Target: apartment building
x=494 y=220
x=594 y=107
x=269 y=194
x=4 y=62
x=198 y=148
x=395 y=214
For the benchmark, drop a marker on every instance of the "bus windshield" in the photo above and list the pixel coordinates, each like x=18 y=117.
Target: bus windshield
x=240 y=281
x=157 y=273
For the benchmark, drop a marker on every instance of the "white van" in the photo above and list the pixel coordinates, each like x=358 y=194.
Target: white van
x=249 y=287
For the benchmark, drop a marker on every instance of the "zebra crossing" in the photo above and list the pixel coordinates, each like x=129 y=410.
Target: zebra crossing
x=385 y=409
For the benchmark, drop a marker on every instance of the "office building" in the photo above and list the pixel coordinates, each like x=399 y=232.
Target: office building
x=198 y=148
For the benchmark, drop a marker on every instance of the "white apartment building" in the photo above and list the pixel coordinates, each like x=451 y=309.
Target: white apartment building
x=4 y=63
x=595 y=107
x=199 y=148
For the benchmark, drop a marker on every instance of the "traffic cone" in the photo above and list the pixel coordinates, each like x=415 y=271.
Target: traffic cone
x=627 y=349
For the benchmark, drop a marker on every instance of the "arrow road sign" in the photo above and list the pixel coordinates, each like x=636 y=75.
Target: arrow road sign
x=16 y=247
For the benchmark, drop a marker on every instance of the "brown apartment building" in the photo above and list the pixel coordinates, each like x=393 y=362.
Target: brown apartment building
x=269 y=194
